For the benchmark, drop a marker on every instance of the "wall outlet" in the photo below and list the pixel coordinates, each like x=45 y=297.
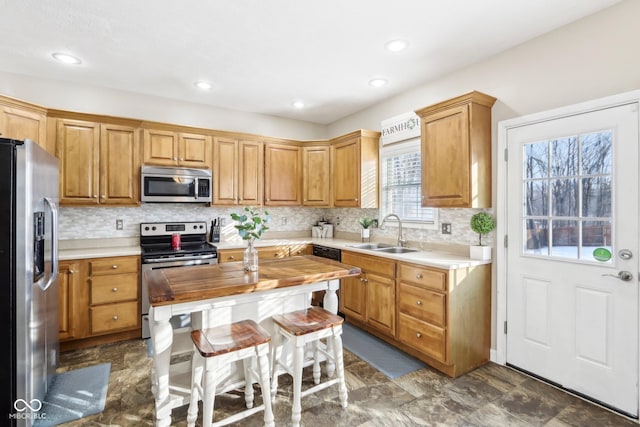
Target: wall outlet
x=283 y=221
x=446 y=228
x=223 y=221
x=119 y=224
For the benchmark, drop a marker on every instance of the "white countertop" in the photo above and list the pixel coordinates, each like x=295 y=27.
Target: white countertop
x=99 y=248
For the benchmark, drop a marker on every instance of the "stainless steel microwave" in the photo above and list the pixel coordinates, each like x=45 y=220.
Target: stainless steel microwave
x=166 y=184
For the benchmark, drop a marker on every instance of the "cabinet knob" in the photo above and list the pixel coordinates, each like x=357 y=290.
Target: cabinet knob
x=95 y=196
x=232 y=257
x=418 y=276
x=114 y=290
x=103 y=197
x=181 y=158
x=419 y=302
x=115 y=317
x=277 y=254
x=362 y=279
x=419 y=335
x=114 y=266
x=175 y=158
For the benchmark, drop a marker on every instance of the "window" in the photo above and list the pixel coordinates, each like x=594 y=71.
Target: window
x=401 y=168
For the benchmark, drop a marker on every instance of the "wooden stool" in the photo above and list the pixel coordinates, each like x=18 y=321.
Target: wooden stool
x=300 y=328
x=216 y=348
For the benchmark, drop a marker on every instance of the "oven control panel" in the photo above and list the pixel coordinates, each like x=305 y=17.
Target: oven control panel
x=169 y=228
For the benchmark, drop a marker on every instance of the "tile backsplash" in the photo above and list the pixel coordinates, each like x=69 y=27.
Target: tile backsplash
x=92 y=222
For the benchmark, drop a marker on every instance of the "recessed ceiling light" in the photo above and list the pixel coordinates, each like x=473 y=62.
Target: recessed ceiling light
x=396 y=45
x=377 y=82
x=298 y=104
x=66 y=58
x=201 y=84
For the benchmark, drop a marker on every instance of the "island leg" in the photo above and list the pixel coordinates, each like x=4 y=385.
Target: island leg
x=162 y=339
x=330 y=304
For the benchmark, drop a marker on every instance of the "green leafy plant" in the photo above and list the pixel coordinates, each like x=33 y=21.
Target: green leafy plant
x=251 y=223
x=366 y=222
x=482 y=223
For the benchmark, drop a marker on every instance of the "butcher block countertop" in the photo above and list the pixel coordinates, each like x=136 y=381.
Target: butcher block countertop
x=186 y=284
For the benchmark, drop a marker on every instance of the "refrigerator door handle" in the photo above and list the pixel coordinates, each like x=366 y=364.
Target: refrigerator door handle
x=54 y=242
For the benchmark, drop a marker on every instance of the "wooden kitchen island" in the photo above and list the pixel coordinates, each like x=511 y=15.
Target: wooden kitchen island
x=222 y=294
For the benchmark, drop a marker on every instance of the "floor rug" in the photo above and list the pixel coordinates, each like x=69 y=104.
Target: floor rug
x=385 y=358
x=74 y=395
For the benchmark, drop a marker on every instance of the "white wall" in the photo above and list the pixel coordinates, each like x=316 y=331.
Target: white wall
x=96 y=100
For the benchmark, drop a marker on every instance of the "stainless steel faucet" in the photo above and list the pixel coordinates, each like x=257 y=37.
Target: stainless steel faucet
x=401 y=241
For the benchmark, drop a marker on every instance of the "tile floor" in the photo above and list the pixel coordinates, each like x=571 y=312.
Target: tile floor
x=491 y=395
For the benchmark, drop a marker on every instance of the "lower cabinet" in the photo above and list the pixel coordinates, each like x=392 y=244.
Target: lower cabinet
x=443 y=317
x=99 y=301
x=264 y=252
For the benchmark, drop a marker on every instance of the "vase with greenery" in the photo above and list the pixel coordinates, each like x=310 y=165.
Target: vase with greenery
x=251 y=224
x=482 y=223
x=365 y=222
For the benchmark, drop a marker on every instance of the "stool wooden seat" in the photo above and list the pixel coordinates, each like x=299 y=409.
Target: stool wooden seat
x=300 y=328
x=215 y=349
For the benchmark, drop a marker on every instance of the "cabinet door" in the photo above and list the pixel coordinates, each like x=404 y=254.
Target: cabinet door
x=346 y=173
x=21 y=124
x=119 y=165
x=250 y=172
x=445 y=158
x=160 y=147
x=352 y=297
x=194 y=150
x=68 y=283
x=381 y=297
x=316 y=176
x=225 y=171
x=282 y=175
x=78 y=149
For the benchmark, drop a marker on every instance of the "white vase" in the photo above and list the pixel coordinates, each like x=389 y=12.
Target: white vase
x=365 y=234
x=480 y=252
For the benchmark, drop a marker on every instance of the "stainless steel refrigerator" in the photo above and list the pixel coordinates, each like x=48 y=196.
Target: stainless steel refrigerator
x=28 y=278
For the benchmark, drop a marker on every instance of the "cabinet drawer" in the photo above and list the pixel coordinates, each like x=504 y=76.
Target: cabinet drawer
x=273 y=252
x=111 y=317
x=422 y=304
x=113 y=266
x=114 y=288
x=423 y=276
x=422 y=336
x=370 y=264
x=230 y=255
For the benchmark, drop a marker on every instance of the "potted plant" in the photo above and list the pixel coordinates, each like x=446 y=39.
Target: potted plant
x=365 y=222
x=482 y=223
x=251 y=224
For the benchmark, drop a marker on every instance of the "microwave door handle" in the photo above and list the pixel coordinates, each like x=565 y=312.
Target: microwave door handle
x=195 y=180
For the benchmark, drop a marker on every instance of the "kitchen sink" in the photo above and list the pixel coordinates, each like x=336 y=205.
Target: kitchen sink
x=372 y=246
x=396 y=250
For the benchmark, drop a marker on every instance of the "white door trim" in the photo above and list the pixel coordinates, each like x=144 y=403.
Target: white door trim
x=500 y=355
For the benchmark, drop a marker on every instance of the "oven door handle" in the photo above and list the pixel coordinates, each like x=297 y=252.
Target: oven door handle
x=180 y=259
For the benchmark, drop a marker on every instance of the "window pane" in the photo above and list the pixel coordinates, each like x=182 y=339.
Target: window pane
x=596 y=197
x=537 y=198
x=595 y=234
x=564 y=197
x=537 y=237
x=596 y=153
x=536 y=163
x=564 y=156
x=564 y=239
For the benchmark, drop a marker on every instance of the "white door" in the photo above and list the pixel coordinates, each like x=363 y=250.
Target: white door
x=572 y=202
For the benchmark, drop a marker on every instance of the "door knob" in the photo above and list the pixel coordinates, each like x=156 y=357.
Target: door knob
x=623 y=275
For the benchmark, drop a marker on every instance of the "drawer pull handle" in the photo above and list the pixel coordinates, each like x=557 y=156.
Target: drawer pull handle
x=114 y=266
x=115 y=317
x=114 y=290
x=419 y=302
x=419 y=335
x=276 y=254
x=419 y=276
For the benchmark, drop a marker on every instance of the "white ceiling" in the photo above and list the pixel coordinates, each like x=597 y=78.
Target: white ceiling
x=261 y=55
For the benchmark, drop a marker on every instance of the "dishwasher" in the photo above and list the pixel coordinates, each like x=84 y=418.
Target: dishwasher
x=330 y=253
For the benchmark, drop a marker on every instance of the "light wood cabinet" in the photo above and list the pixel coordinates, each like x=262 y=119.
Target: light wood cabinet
x=238 y=170
x=282 y=175
x=316 y=176
x=354 y=162
x=456 y=152
x=68 y=299
x=99 y=163
x=264 y=252
x=168 y=148
x=370 y=297
x=20 y=121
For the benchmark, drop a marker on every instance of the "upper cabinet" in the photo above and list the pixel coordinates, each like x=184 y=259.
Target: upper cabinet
x=238 y=168
x=99 y=163
x=456 y=152
x=316 y=176
x=354 y=162
x=282 y=175
x=22 y=121
x=167 y=148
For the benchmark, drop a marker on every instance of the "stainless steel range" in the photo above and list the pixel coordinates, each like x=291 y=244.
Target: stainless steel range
x=172 y=245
